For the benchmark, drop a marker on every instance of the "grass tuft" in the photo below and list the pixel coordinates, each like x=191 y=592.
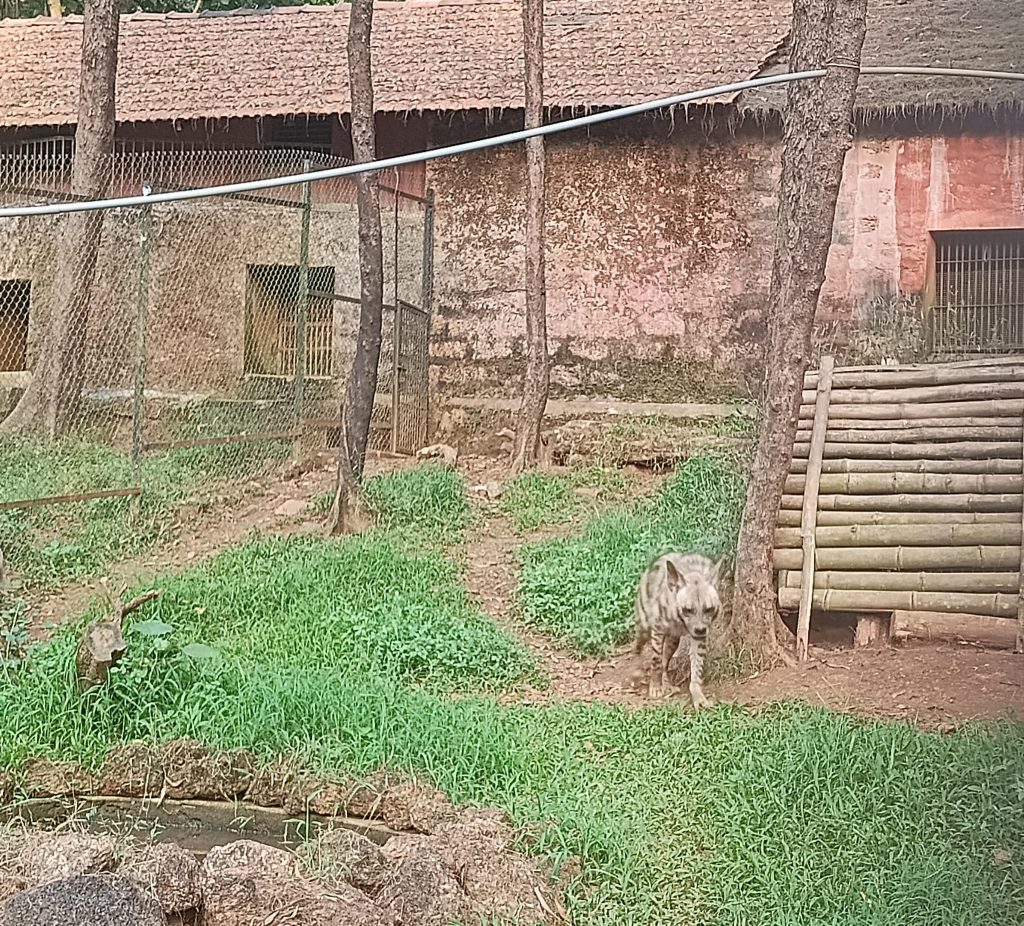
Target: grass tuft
x=536 y=499
x=580 y=589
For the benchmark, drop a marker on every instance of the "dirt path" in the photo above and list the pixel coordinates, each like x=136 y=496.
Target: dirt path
x=273 y=506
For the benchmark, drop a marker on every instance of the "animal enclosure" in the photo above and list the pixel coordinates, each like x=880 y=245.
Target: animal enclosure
x=224 y=325
x=904 y=499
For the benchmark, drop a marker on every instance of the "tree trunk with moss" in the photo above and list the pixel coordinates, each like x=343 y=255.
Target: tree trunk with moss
x=819 y=132
x=50 y=405
x=350 y=512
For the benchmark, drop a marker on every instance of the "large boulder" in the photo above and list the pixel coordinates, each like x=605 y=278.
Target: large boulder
x=45 y=857
x=169 y=872
x=246 y=883
x=341 y=854
x=84 y=900
x=468 y=868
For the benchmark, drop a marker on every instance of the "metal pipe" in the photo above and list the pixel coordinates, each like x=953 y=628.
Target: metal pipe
x=481 y=144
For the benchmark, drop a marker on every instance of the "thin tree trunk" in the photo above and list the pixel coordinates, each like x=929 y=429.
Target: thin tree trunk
x=526 y=447
x=819 y=132
x=54 y=7
x=350 y=511
x=50 y=404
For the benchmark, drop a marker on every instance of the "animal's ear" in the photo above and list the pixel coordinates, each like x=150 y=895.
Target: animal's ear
x=675 y=577
x=716 y=570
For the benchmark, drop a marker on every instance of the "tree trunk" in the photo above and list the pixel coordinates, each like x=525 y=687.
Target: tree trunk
x=819 y=131
x=350 y=512
x=526 y=447
x=49 y=406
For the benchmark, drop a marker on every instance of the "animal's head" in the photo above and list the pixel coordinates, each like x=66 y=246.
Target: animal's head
x=695 y=592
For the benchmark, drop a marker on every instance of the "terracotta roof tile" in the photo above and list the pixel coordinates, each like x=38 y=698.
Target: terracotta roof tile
x=428 y=55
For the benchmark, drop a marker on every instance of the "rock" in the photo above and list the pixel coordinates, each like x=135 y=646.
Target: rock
x=424 y=891
x=291 y=508
x=495 y=881
x=445 y=452
x=184 y=767
x=46 y=857
x=416 y=806
x=10 y=885
x=84 y=900
x=501 y=883
x=246 y=883
x=342 y=854
x=43 y=778
x=169 y=872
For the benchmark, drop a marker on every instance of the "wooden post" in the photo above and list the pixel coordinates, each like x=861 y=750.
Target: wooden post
x=1019 y=647
x=396 y=341
x=809 y=514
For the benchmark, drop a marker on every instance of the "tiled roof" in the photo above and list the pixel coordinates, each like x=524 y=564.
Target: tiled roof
x=428 y=55
x=982 y=34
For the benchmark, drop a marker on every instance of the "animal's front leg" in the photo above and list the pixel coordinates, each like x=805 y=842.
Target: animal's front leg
x=655 y=673
x=698 y=650
x=668 y=652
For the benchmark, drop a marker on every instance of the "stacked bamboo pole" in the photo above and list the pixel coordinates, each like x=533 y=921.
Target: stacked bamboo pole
x=906 y=496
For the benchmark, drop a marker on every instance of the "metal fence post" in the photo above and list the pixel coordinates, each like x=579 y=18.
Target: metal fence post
x=396 y=342
x=303 y=307
x=141 y=323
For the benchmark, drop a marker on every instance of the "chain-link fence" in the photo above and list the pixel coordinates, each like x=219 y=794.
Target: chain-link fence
x=213 y=336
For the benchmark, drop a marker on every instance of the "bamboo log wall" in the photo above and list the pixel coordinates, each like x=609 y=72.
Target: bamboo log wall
x=906 y=496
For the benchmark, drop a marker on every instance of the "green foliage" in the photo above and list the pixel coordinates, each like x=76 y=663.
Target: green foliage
x=56 y=543
x=581 y=589
x=537 y=499
x=356 y=654
x=428 y=501
x=795 y=816
x=534 y=499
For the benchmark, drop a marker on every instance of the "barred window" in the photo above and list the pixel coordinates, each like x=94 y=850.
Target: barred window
x=271 y=318
x=979 y=291
x=15 y=302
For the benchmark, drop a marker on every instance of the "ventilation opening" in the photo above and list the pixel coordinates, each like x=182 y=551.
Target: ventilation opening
x=979 y=292
x=15 y=302
x=272 y=320
x=312 y=133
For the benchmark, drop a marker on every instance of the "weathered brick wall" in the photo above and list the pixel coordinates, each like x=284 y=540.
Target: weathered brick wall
x=897 y=190
x=658 y=255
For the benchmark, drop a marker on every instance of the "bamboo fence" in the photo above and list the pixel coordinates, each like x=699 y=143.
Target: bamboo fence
x=905 y=497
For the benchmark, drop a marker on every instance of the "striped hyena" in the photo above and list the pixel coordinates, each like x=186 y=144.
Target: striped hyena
x=676 y=603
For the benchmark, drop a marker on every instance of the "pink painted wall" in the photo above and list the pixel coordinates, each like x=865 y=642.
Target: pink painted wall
x=897 y=191
x=659 y=252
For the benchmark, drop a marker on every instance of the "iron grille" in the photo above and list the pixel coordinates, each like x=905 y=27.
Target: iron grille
x=979 y=292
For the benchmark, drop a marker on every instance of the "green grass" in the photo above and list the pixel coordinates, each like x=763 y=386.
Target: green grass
x=536 y=499
x=52 y=544
x=356 y=654
x=580 y=589
x=426 y=503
